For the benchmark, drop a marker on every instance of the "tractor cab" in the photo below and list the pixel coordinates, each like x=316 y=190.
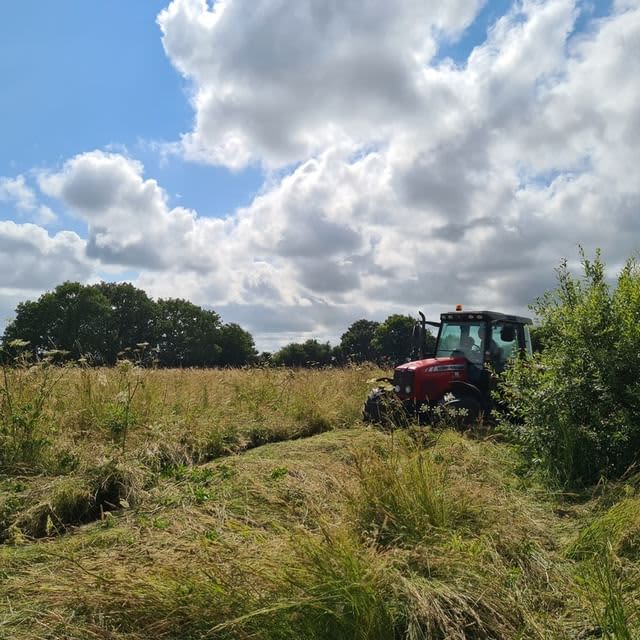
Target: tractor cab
x=471 y=347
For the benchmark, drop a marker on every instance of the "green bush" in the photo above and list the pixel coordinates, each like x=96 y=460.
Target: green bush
x=575 y=407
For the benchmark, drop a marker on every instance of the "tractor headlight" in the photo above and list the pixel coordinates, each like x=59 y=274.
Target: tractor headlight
x=407 y=389
x=397 y=388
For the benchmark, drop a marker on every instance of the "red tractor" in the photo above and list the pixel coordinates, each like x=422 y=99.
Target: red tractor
x=470 y=347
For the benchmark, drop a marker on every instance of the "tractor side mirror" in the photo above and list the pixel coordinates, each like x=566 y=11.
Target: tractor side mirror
x=507 y=334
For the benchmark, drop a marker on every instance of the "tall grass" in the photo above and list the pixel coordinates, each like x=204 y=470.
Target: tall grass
x=614 y=611
x=607 y=550
x=85 y=413
x=71 y=421
x=405 y=497
x=25 y=394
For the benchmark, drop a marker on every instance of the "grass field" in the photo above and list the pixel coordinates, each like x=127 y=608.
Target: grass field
x=255 y=504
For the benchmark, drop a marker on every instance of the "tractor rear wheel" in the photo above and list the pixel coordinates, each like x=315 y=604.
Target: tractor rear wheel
x=465 y=409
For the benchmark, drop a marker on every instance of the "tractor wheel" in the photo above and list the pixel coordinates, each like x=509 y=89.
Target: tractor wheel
x=465 y=410
x=383 y=408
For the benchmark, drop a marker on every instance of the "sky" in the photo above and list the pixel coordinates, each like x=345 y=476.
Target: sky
x=299 y=166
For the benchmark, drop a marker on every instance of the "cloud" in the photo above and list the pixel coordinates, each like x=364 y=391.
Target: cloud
x=277 y=82
x=129 y=221
x=16 y=191
x=420 y=181
x=33 y=260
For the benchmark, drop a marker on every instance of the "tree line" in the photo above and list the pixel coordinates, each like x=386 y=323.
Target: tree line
x=107 y=321
x=103 y=322
x=388 y=342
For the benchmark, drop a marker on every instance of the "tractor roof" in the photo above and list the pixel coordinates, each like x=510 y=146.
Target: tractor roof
x=491 y=316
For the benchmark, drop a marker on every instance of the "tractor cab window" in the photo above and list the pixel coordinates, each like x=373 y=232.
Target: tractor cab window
x=460 y=338
x=504 y=343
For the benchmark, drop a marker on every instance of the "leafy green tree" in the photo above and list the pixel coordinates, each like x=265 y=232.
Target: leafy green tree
x=291 y=355
x=132 y=317
x=186 y=334
x=337 y=356
x=318 y=353
x=357 y=342
x=265 y=359
x=306 y=354
x=575 y=408
x=393 y=339
x=73 y=318
x=237 y=346
x=101 y=321
x=537 y=339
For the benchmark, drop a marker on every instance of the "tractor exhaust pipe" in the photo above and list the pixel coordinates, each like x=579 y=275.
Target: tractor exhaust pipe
x=423 y=335
x=419 y=337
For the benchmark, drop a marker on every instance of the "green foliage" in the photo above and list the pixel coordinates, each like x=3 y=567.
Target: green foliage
x=306 y=354
x=187 y=335
x=537 y=339
x=356 y=342
x=575 y=407
x=108 y=321
x=393 y=339
x=131 y=318
x=72 y=318
x=237 y=346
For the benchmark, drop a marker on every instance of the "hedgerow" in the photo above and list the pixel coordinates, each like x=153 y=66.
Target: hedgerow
x=575 y=408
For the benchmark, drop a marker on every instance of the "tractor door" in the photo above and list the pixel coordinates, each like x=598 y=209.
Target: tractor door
x=507 y=339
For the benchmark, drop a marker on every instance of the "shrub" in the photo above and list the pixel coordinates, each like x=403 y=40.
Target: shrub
x=575 y=407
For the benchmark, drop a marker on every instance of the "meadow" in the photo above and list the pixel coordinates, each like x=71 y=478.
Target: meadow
x=254 y=503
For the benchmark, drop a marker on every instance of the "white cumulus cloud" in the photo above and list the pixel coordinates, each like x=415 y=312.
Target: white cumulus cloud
x=18 y=193
x=277 y=81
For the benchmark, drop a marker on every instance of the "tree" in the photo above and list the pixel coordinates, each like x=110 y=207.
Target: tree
x=132 y=316
x=393 y=339
x=101 y=321
x=575 y=408
x=306 y=354
x=237 y=346
x=72 y=318
x=186 y=335
x=357 y=342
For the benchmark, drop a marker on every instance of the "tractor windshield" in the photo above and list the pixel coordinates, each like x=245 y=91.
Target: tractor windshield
x=462 y=338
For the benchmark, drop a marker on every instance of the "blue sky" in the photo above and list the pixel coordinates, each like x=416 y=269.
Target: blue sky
x=97 y=70
x=320 y=135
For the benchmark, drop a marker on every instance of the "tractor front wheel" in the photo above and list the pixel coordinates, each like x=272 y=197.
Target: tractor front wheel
x=382 y=407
